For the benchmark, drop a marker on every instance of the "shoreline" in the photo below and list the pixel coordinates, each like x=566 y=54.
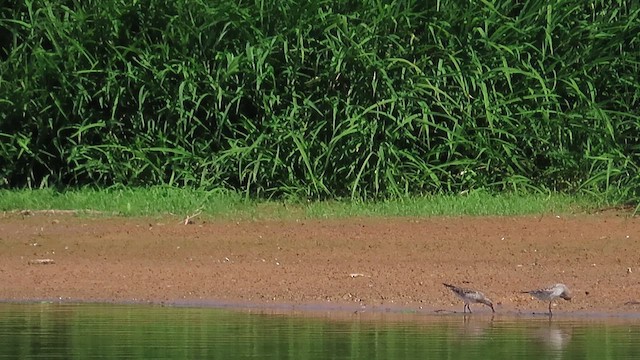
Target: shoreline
x=394 y=265
x=339 y=310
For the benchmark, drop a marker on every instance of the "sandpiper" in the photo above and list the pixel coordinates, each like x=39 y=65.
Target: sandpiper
x=551 y=293
x=470 y=296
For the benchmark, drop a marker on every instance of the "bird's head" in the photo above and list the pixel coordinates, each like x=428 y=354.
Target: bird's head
x=489 y=303
x=566 y=294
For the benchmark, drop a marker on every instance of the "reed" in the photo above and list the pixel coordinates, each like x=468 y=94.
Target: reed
x=322 y=99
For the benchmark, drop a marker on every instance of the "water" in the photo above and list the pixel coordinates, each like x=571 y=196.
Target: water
x=67 y=331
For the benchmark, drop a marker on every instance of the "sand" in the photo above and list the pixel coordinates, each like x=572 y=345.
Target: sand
x=364 y=264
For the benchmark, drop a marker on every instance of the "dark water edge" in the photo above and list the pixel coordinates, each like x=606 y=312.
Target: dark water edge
x=107 y=331
x=339 y=309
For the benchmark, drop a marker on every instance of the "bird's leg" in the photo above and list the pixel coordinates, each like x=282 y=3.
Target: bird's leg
x=550 y=313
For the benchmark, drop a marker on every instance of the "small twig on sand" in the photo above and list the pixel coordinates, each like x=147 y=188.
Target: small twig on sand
x=189 y=218
x=28 y=212
x=41 y=262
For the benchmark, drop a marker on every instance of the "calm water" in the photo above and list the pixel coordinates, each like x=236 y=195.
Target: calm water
x=54 y=331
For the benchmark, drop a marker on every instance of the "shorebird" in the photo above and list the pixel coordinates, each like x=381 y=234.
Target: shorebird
x=551 y=293
x=470 y=296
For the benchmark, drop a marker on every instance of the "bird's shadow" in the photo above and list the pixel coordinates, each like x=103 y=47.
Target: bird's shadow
x=546 y=314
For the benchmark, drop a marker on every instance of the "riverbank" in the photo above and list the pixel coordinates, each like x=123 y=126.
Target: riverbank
x=359 y=263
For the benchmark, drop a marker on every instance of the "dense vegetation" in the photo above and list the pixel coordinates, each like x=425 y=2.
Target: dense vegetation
x=322 y=99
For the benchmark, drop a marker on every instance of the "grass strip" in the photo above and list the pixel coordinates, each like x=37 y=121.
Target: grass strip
x=161 y=201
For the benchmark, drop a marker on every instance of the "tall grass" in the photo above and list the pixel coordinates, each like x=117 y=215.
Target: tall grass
x=322 y=99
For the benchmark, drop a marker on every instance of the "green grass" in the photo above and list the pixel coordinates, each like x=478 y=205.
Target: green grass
x=322 y=99
x=158 y=201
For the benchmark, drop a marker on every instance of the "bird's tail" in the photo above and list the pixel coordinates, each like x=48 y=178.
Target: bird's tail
x=448 y=285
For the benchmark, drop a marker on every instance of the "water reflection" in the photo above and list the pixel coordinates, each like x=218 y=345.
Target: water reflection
x=553 y=337
x=474 y=327
x=51 y=331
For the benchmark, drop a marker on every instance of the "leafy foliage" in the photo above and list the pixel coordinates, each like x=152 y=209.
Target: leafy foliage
x=322 y=99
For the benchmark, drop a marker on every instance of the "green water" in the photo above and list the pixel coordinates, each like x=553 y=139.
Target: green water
x=55 y=331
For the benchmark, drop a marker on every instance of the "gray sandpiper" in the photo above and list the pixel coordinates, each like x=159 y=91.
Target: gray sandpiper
x=470 y=296
x=551 y=293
